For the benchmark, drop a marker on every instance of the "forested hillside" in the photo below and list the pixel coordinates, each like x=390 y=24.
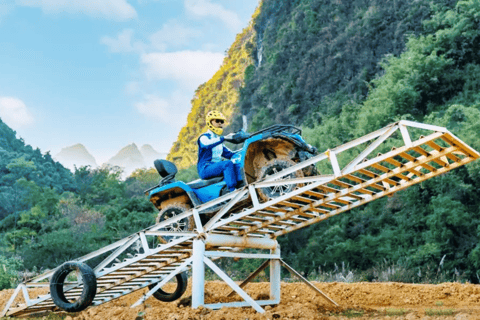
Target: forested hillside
x=316 y=55
x=219 y=93
x=338 y=69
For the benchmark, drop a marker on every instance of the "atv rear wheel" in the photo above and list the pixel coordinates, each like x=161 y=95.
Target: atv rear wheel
x=182 y=225
x=272 y=167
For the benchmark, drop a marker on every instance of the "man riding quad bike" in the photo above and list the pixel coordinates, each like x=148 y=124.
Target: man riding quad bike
x=264 y=153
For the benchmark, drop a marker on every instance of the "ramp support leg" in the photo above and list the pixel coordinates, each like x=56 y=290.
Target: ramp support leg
x=198 y=274
x=275 y=275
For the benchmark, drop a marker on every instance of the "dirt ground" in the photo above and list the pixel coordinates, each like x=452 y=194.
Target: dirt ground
x=357 y=300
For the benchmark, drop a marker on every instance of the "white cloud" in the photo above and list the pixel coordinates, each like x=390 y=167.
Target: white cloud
x=111 y=9
x=173 y=34
x=172 y=110
x=205 y=8
x=14 y=112
x=123 y=42
x=189 y=68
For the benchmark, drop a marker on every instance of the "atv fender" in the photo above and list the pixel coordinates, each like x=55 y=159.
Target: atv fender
x=174 y=192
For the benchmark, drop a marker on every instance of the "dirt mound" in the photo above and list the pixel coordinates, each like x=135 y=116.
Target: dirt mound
x=357 y=300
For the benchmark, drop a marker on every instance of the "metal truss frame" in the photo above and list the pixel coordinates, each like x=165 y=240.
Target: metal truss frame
x=137 y=261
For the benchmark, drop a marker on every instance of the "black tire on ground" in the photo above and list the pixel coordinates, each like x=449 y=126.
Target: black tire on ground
x=182 y=282
x=171 y=210
x=272 y=167
x=89 y=286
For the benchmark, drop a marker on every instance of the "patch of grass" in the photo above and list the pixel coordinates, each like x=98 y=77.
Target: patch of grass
x=395 y=312
x=352 y=313
x=439 y=312
x=439 y=303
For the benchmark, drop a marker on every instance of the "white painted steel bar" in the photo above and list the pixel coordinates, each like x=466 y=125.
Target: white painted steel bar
x=171 y=220
x=224 y=210
x=198 y=222
x=275 y=275
x=233 y=285
x=369 y=149
x=363 y=139
x=198 y=274
x=334 y=162
x=253 y=196
x=145 y=246
x=177 y=270
x=405 y=136
x=172 y=233
x=25 y=295
x=10 y=301
x=219 y=200
x=319 y=178
x=307 y=282
x=226 y=254
x=217 y=240
x=115 y=254
x=422 y=126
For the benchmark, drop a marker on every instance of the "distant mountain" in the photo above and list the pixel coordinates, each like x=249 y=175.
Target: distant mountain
x=131 y=158
x=149 y=154
x=76 y=155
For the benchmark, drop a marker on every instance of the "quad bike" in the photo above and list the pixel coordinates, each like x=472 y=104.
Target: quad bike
x=264 y=153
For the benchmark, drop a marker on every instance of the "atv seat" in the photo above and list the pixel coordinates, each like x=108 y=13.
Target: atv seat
x=200 y=183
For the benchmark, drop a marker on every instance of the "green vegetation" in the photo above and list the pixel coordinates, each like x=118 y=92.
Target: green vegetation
x=352 y=313
x=395 y=312
x=439 y=312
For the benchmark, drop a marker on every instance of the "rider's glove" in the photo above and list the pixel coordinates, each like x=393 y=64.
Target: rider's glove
x=229 y=136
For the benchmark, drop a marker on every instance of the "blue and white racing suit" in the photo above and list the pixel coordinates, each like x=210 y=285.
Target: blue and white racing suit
x=210 y=164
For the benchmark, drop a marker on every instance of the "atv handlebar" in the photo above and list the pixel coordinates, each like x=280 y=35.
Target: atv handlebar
x=238 y=137
x=241 y=136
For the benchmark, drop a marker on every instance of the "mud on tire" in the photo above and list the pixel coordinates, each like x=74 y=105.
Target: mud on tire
x=272 y=167
x=182 y=225
x=182 y=281
x=88 y=291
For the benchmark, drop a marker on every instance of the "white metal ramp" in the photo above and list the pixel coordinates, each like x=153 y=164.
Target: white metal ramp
x=358 y=174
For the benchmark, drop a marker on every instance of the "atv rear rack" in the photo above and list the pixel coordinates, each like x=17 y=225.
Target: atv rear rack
x=354 y=179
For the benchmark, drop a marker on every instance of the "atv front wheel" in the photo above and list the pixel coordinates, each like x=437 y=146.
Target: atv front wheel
x=272 y=167
x=182 y=225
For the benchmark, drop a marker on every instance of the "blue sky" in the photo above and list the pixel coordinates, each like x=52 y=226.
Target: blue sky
x=107 y=73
